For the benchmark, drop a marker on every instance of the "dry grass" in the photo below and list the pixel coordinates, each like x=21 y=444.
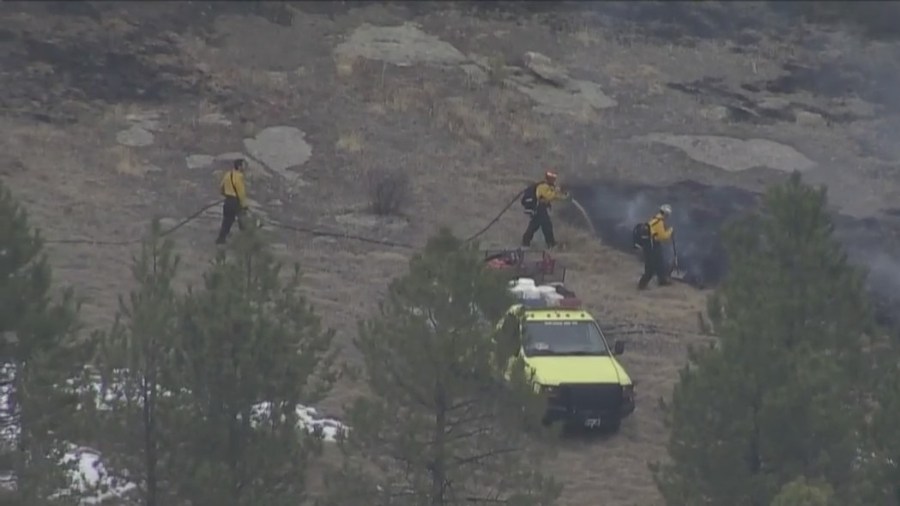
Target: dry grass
x=464 y=119
x=404 y=98
x=127 y=162
x=344 y=66
x=390 y=191
x=497 y=70
x=349 y=142
x=586 y=36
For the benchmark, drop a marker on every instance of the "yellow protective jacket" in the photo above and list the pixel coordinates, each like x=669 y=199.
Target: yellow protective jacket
x=233 y=186
x=547 y=193
x=658 y=230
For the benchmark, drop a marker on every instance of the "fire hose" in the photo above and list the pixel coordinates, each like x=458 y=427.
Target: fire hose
x=315 y=231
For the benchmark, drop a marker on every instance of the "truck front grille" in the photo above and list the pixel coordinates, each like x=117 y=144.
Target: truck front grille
x=590 y=397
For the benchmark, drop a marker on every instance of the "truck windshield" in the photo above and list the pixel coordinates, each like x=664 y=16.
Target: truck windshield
x=563 y=338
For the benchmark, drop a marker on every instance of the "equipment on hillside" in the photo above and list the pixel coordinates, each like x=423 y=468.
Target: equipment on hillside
x=529 y=197
x=640 y=235
x=515 y=263
x=543 y=296
x=675 y=274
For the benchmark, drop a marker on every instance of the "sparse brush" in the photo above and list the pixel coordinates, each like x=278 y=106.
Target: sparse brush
x=497 y=70
x=389 y=191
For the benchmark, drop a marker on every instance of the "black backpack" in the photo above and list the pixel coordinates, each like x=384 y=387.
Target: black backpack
x=529 y=197
x=640 y=234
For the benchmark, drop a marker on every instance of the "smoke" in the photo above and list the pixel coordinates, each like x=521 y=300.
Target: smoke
x=700 y=214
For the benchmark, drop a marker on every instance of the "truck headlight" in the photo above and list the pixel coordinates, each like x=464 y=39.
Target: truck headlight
x=627 y=392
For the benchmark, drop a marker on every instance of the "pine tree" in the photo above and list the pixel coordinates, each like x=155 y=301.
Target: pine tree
x=882 y=456
x=136 y=362
x=39 y=355
x=251 y=350
x=782 y=392
x=801 y=492
x=443 y=425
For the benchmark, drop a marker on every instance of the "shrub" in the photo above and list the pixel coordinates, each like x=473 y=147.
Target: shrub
x=389 y=191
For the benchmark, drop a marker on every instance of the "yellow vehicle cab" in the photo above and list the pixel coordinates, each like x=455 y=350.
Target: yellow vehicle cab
x=573 y=364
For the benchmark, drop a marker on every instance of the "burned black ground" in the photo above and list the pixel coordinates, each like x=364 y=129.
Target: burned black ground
x=703 y=212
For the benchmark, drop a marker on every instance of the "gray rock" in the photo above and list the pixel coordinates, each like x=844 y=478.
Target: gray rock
x=215 y=118
x=148 y=120
x=776 y=103
x=167 y=223
x=135 y=137
x=280 y=148
x=806 y=118
x=198 y=161
x=231 y=155
x=734 y=155
x=716 y=113
x=543 y=67
x=402 y=45
x=574 y=100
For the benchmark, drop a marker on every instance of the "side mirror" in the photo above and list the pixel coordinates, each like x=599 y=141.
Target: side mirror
x=619 y=347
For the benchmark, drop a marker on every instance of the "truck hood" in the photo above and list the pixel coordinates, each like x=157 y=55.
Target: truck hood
x=567 y=369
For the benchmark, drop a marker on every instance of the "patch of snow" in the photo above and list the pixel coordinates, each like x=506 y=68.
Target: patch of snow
x=135 y=136
x=402 y=45
x=280 y=148
x=90 y=476
x=308 y=419
x=734 y=155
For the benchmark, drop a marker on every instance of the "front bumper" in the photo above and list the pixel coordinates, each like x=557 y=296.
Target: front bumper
x=589 y=404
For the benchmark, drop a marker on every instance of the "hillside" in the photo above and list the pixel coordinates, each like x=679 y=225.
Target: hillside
x=116 y=112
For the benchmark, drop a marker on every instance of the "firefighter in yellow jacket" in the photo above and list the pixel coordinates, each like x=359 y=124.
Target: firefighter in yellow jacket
x=235 y=194
x=654 y=260
x=537 y=200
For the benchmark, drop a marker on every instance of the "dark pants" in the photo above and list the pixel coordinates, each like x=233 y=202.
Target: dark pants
x=654 y=265
x=539 y=220
x=231 y=211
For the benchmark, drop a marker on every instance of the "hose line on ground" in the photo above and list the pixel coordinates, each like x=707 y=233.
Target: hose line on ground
x=166 y=232
x=496 y=218
x=318 y=232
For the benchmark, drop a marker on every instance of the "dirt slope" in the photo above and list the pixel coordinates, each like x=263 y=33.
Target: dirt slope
x=113 y=113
